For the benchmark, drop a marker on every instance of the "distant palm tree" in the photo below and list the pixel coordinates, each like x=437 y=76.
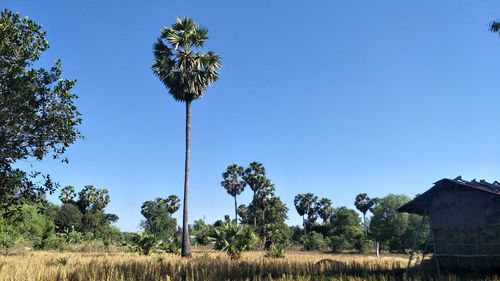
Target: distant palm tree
x=495 y=26
x=232 y=181
x=324 y=209
x=263 y=198
x=255 y=177
x=364 y=203
x=304 y=204
x=186 y=73
x=173 y=203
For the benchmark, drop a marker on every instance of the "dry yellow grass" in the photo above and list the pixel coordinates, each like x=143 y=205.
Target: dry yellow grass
x=205 y=265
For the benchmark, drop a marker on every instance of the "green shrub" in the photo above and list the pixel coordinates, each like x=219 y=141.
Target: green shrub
x=145 y=243
x=313 y=241
x=172 y=245
x=276 y=251
x=233 y=239
x=339 y=243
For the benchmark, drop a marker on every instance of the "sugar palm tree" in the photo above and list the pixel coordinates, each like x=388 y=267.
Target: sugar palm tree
x=255 y=177
x=364 y=203
x=186 y=72
x=495 y=26
x=324 y=209
x=173 y=204
x=234 y=184
x=304 y=204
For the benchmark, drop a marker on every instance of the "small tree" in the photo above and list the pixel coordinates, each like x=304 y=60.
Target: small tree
x=387 y=225
x=68 y=216
x=232 y=181
x=158 y=217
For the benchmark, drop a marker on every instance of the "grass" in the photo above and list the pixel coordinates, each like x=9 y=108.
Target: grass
x=209 y=265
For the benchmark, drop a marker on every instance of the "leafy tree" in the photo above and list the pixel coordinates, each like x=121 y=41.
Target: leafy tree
x=68 y=216
x=345 y=231
x=34 y=225
x=324 y=209
x=158 y=218
x=304 y=204
x=232 y=181
x=201 y=232
x=186 y=73
x=313 y=241
x=92 y=202
x=37 y=112
x=255 y=177
x=388 y=225
x=364 y=203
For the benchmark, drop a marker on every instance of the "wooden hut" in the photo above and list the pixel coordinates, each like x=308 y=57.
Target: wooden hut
x=465 y=222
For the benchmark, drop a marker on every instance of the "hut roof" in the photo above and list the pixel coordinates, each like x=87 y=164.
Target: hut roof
x=420 y=204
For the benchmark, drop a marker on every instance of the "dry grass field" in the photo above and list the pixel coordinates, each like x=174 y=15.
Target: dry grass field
x=208 y=265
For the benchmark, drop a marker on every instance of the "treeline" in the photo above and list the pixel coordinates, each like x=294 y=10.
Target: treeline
x=260 y=224
x=79 y=223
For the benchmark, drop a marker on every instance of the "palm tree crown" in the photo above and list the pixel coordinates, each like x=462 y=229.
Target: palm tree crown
x=185 y=71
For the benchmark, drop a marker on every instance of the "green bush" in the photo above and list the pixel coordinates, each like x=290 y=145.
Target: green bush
x=277 y=250
x=233 y=239
x=339 y=243
x=172 y=245
x=313 y=241
x=145 y=243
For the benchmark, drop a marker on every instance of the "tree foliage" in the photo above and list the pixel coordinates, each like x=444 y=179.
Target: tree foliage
x=232 y=181
x=396 y=231
x=304 y=204
x=158 y=217
x=37 y=112
x=495 y=27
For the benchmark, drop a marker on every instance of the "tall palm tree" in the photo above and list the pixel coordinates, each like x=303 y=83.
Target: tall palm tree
x=364 y=203
x=324 y=209
x=186 y=72
x=255 y=177
x=263 y=198
x=304 y=204
x=234 y=184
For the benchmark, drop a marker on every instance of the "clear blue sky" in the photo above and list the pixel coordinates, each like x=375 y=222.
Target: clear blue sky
x=335 y=98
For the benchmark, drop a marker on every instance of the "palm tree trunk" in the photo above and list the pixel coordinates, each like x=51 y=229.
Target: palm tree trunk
x=304 y=224
x=263 y=220
x=254 y=211
x=235 y=210
x=364 y=224
x=186 y=248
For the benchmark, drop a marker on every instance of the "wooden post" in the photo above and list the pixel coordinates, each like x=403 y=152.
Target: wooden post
x=435 y=253
x=378 y=250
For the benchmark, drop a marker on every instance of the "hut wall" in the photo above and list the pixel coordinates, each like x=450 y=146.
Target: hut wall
x=466 y=227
